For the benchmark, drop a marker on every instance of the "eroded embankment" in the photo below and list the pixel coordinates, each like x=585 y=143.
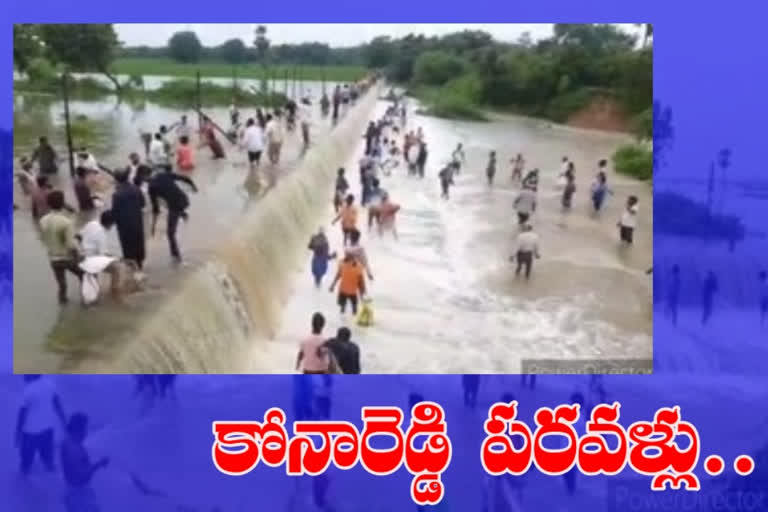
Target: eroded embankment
x=236 y=296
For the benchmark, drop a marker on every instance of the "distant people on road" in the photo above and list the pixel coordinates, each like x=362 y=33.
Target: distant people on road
x=387 y=215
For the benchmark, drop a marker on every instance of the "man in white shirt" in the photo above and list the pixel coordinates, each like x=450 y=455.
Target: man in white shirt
x=274 y=139
x=97 y=258
x=87 y=160
x=39 y=412
x=628 y=221
x=527 y=249
x=253 y=142
x=157 y=153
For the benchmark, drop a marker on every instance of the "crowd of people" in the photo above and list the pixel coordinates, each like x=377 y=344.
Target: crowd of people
x=75 y=237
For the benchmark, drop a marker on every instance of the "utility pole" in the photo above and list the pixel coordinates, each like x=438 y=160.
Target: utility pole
x=67 y=127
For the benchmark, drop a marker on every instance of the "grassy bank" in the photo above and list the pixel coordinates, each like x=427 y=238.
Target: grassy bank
x=635 y=160
x=169 y=67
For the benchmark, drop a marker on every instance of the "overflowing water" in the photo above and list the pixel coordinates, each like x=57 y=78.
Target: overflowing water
x=445 y=296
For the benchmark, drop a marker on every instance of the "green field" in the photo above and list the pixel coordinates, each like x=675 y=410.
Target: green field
x=168 y=67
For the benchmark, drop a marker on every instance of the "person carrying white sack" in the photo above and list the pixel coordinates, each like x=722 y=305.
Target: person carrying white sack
x=96 y=258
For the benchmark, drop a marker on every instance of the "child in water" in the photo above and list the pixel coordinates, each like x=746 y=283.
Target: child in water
x=568 y=191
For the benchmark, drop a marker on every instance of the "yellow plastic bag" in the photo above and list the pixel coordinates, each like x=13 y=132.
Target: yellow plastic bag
x=365 y=315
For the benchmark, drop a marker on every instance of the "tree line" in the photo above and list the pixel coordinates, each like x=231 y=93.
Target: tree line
x=552 y=77
x=186 y=47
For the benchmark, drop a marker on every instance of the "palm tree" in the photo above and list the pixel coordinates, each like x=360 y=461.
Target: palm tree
x=262 y=46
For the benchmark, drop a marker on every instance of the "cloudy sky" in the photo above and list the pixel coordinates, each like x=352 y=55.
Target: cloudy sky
x=212 y=34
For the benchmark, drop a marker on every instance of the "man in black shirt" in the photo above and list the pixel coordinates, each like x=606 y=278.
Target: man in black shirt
x=127 y=210
x=163 y=186
x=141 y=172
x=346 y=352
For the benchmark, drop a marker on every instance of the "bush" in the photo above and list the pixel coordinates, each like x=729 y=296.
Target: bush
x=643 y=124
x=437 y=68
x=184 y=93
x=634 y=160
x=448 y=104
x=469 y=87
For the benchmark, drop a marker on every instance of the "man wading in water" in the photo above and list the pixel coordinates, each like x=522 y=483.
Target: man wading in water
x=321 y=253
x=348 y=217
x=527 y=249
x=313 y=357
x=525 y=204
x=351 y=282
